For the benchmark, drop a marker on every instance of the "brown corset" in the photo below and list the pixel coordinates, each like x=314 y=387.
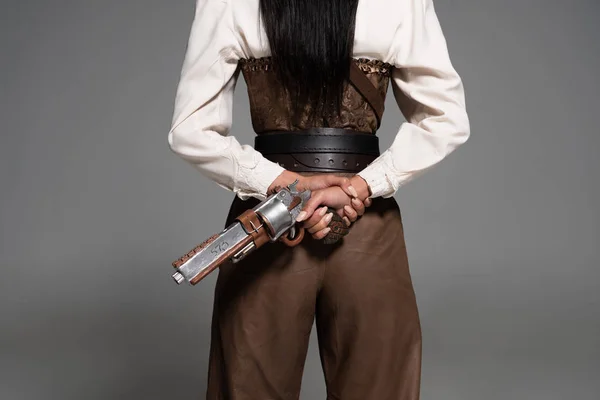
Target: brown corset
x=270 y=110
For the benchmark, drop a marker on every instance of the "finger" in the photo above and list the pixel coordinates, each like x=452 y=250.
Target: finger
x=358 y=206
x=311 y=205
x=368 y=201
x=315 y=218
x=322 y=224
x=342 y=213
x=344 y=183
x=321 y=234
x=350 y=213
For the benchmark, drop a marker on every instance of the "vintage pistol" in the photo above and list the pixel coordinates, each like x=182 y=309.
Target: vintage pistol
x=271 y=220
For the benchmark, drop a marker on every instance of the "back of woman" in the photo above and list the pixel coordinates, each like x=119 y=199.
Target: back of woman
x=317 y=74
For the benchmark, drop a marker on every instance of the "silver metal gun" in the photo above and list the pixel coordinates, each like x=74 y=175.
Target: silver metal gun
x=271 y=220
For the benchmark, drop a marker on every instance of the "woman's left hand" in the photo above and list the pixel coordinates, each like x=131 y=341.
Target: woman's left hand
x=351 y=213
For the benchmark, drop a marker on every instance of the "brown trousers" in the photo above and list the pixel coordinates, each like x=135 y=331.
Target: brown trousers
x=361 y=294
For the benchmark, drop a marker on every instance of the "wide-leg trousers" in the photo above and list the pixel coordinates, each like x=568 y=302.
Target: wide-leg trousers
x=359 y=293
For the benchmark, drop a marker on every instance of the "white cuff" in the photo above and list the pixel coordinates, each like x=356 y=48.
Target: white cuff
x=255 y=181
x=378 y=176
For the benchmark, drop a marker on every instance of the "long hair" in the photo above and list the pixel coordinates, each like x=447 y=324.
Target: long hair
x=311 y=44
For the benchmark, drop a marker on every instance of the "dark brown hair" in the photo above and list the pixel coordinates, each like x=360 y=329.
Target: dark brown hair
x=311 y=43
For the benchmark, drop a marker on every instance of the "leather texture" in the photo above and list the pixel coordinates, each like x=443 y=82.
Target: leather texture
x=316 y=140
x=319 y=149
x=270 y=107
x=366 y=88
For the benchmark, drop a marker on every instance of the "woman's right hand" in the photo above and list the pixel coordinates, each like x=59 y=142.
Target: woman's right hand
x=317 y=222
x=350 y=209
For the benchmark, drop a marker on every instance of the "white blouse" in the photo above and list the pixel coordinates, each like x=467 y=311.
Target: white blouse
x=405 y=33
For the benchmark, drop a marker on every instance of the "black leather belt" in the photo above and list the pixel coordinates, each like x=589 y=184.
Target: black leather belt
x=319 y=149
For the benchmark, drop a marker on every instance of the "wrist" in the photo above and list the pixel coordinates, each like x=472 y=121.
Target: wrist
x=285 y=178
x=361 y=186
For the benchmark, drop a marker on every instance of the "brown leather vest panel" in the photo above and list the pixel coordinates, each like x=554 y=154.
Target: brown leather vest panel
x=270 y=107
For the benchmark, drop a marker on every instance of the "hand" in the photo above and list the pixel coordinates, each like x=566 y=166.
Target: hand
x=318 y=223
x=358 y=207
x=314 y=182
x=349 y=185
x=322 y=181
x=351 y=214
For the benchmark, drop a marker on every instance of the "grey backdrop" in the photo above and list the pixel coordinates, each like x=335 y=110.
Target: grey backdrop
x=502 y=236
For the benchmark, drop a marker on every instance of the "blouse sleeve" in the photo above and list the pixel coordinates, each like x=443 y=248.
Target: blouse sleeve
x=430 y=95
x=204 y=103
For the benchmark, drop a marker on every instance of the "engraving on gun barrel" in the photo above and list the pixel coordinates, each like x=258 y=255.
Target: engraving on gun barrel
x=205 y=257
x=270 y=220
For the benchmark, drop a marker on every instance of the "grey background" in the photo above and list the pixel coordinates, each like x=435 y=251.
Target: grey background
x=502 y=236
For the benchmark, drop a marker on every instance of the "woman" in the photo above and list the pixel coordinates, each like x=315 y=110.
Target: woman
x=299 y=61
